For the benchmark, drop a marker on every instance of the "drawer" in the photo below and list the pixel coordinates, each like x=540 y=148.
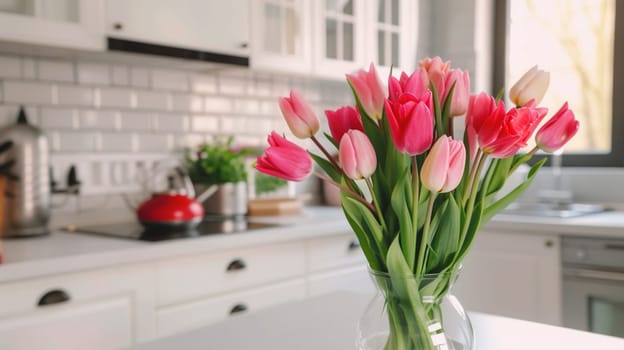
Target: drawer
x=335 y=251
x=119 y=301
x=353 y=279
x=102 y=324
x=176 y=319
x=187 y=278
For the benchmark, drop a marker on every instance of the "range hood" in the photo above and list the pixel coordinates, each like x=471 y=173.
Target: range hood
x=143 y=48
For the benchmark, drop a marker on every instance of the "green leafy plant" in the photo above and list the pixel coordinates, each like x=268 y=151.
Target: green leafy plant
x=266 y=183
x=218 y=163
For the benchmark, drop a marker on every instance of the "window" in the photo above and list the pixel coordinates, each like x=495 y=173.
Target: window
x=581 y=44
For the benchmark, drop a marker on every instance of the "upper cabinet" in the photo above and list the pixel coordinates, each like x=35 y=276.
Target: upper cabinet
x=339 y=37
x=74 y=24
x=211 y=26
x=328 y=38
x=393 y=34
x=281 y=35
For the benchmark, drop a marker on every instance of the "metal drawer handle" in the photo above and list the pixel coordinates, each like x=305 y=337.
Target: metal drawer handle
x=614 y=246
x=354 y=245
x=238 y=308
x=236 y=265
x=55 y=296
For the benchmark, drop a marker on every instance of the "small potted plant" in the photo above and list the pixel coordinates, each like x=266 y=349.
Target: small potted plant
x=219 y=173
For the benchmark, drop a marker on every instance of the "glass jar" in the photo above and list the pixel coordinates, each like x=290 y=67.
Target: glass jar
x=410 y=313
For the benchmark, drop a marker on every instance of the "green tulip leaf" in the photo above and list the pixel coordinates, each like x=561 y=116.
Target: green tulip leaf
x=333 y=141
x=502 y=203
x=327 y=166
x=401 y=204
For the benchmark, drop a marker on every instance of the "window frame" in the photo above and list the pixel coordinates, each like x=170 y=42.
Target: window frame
x=616 y=157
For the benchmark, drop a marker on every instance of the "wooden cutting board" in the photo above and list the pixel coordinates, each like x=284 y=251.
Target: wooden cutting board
x=274 y=206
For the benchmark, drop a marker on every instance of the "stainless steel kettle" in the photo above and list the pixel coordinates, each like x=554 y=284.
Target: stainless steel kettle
x=27 y=207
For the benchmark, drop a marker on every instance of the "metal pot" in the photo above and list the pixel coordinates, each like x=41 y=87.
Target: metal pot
x=229 y=199
x=27 y=210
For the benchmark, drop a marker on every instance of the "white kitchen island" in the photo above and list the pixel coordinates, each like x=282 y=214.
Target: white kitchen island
x=328 y=322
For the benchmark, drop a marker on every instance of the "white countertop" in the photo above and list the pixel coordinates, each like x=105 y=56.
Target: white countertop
x=63 y=252
x=328 y=322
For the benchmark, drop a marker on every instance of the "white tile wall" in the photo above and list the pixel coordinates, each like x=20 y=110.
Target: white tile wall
x=87 y=107
x=74 y=95
x=56 y=71
x=10 y=67
x=93 y=73
x=28 y=92
x=115 y=97
x=170 y=80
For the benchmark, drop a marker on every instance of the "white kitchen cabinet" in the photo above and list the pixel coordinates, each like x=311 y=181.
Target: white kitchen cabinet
x=513 y=274
x=102 y=309
x=183 y=279
x=199 y=313
x=212 y=26
x=281 y=35
x=393 y=35
x=350 y=34
x=354 y=279
x=74 y=24
x=340 y=37
x=337 y=263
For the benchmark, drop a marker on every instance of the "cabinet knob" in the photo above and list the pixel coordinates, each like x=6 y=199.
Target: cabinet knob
x=118 y=26
x=236 y=265
x=238 y=308
x=55 y=296
x=243 y=45
x=549 y=243
x=354 y=245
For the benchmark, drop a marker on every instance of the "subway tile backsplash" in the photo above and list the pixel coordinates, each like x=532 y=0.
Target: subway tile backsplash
x=99 y=108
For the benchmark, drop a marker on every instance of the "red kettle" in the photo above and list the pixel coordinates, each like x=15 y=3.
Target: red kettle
x=173 y=210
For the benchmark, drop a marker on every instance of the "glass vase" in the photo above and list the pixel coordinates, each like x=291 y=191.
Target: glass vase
x=410 y=313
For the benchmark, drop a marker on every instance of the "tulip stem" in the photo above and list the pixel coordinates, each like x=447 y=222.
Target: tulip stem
x=376 y=203
x=471 y=176
x=473 y=196
x=347 y=190
x=530 y=154
x=415 y=205
x=420 y=268
x=326 y=153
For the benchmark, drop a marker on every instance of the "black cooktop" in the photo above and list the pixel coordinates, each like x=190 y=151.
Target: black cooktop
x=209 y=226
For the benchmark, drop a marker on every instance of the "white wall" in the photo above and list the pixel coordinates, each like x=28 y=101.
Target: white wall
x=93 y=109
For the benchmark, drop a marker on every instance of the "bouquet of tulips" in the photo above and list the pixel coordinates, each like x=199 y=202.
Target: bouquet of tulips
x=414 y=193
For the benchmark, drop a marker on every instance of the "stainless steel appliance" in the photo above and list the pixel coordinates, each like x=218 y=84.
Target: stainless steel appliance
x=27 y=209
x=593 y=284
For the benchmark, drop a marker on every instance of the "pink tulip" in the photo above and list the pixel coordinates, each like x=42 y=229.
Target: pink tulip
x=411 y=122
x=444 y=166
x=480 y=107
x=435 y=72
x=413 y=84
x=498 y=133
x=531 y=86
x=342 y=120
x=284 y=159
x=369 y=91
x=558 y=130
x=357 y=155
x=299 y=116
x=461 y=92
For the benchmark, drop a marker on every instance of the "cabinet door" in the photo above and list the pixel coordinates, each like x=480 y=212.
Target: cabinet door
x=102 y=324
x=178 y=318
x=355 y=279
x=69 y=310
x=281 y=35
x=339 y=37
x=213 y=26
x=513 y=274
x=393 y=35
x=75 y=24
